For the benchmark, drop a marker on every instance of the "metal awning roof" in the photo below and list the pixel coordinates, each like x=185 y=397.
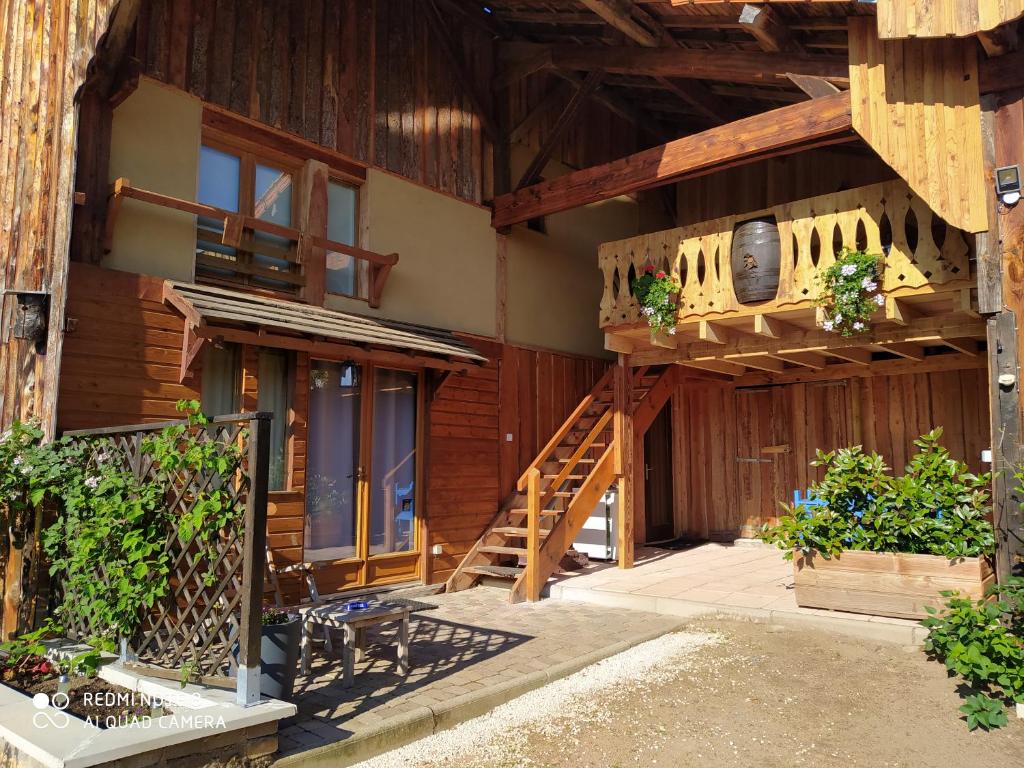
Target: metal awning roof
x=208 y=308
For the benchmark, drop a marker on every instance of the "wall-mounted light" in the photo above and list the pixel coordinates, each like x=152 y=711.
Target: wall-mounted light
x=1008 y=184
x=32 y=318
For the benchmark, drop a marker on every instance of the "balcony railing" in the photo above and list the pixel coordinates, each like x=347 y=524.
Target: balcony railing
x=922 y=254
x=285 y=264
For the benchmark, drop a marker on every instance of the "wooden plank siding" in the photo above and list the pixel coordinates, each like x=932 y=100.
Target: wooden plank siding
x=917 y=104
x=941 y=18
x=121 y=363
x=718 y=428
x=360 y=77
x=46 y=49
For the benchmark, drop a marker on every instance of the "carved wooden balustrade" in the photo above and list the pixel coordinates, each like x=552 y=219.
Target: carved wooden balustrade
x=922 y=254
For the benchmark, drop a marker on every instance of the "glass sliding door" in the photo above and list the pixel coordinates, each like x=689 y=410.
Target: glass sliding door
x=362 y=463
x=333 y=456
x=393 y=467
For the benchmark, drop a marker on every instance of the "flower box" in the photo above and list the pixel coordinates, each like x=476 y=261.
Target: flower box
x=886 y=583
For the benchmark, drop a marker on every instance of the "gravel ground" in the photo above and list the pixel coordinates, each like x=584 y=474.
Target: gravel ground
x=731 y=693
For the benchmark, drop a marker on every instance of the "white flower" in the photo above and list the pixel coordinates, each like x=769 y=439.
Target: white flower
x=848 y=269
x=5 y=436
x=828 y=325
x=837 y=319
x=17 y=460
x=868 y=284
x=647 y=311
x=879 y=299
x=672 y=331
x=92 y=482
x=858 y=326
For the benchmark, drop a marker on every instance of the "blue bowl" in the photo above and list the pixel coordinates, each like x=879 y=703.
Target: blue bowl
x=357 y=605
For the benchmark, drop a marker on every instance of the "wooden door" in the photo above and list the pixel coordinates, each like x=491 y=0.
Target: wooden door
x=658 y=477
x=764 y=456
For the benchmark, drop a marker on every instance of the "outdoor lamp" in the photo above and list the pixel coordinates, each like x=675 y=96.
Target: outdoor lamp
x=1008 y=184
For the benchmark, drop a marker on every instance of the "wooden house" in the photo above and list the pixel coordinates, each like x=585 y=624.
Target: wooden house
x=409 y=229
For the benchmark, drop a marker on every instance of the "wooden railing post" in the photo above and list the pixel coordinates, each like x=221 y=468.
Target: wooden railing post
x=623 y=431
x=254 y=546
x=533 y=580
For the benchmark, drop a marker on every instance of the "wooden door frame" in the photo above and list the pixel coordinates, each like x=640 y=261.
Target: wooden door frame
x=664 y=412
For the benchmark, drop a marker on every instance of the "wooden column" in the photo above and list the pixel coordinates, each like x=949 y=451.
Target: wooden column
x=313 y=221
x=1005 y=347
x=624 y=458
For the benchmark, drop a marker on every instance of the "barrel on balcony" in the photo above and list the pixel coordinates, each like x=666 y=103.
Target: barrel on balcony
x=755 y=260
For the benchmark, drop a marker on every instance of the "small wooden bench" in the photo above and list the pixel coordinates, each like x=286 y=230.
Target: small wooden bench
x=354 y=624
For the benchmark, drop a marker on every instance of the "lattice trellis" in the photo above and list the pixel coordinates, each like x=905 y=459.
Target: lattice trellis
x=921 y=252
x=198 y=622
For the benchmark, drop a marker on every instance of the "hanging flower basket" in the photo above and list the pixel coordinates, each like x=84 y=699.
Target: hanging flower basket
x=658 y=296
x=850 y=292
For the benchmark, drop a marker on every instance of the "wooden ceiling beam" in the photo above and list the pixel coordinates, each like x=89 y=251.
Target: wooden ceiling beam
x=770 y=31
x=789 y=129
x=618 y=14
x=719 y=65
x=540 y=109
x=761 y=362
x=642 y=120
x=964 y=346
x=814 y=360
x=852 y=354
x=815 y=87
x=625 y=16
x=112 y=48
x=715 y=366
x=565 y=119
x=905 y=349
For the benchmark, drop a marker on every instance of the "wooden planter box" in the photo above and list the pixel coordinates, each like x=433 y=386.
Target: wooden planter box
x=886 y=583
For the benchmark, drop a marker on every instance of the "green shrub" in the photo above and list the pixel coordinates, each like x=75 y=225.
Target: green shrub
x=936 y=507
x=981 y=641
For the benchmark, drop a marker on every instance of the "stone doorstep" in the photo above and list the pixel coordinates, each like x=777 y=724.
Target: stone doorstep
x=77 y=744
x=397 y=731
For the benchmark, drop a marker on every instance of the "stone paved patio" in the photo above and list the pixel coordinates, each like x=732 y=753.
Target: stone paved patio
x=471 y=643
x=749 y=579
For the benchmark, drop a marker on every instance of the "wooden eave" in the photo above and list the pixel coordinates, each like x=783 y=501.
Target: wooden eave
x=213 y=313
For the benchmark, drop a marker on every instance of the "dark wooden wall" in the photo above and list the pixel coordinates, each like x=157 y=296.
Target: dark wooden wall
x=363 y=77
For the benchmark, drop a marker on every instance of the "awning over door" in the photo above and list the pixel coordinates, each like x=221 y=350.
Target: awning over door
x=233 y=316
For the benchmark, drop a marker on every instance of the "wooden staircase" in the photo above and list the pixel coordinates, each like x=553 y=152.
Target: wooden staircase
x=536 y=525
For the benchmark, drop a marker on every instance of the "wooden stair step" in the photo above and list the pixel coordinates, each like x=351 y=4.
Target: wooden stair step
x=512 y=530
x=543 y=512
x=495 y=549
x=580 y=461
x=567 y=477
x=495 y=571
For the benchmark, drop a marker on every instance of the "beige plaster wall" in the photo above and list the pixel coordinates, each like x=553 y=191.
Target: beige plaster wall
x=445 y=276
x=155 y=139
x=554 y=284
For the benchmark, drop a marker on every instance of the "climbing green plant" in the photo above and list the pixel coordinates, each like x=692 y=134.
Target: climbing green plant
x=108 y=543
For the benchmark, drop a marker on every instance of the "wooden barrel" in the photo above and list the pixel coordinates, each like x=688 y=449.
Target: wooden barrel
x=755 y=260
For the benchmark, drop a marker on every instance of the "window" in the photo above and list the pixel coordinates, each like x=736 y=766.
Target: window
x=274 y=396
x=342 y=269
x=393 y=466
x=221 y=379
x=238 y=182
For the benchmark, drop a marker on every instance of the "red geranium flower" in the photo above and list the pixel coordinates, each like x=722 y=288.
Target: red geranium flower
x=660 y=275
x=649 y=268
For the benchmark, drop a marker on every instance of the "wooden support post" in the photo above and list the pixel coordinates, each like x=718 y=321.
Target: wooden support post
x=624 y=458
x=533 y=580
x=313 y=221
x=1006 y=345
x=254 y=546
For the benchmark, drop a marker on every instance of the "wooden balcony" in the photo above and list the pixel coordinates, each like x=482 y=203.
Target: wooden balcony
x=927 y=278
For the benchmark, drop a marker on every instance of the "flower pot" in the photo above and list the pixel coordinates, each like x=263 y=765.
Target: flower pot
x=886 y=583
x=279 y=658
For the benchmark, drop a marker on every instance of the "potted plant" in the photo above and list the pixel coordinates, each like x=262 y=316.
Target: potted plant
x=888 y=545
x=279 y=652
x=850 y=293
x=658 y=296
